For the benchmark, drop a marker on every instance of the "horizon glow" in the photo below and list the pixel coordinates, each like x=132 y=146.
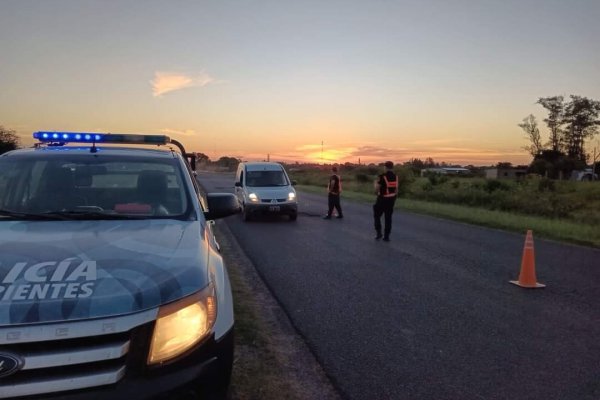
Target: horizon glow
x=371 y=80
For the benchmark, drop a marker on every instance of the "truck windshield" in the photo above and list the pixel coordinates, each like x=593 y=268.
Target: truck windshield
x=80 y=186
x=266 y=178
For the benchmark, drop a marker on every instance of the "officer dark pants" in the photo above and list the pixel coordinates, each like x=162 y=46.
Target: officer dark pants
x=384 y=206
x=334 y=202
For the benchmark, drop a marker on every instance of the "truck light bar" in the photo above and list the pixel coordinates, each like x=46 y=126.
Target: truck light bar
x=91 y=137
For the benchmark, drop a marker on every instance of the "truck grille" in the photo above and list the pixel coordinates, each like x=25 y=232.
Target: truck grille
x=92 y=353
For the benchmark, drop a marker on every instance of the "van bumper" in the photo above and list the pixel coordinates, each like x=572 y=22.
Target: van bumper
x=265 y=209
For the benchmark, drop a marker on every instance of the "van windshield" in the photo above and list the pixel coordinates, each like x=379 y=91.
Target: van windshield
x=266 y=178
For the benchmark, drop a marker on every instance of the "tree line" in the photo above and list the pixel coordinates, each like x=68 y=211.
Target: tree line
x=571 y=122
x=8 y=140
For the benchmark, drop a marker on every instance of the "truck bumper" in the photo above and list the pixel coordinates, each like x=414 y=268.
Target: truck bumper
x=205 y=370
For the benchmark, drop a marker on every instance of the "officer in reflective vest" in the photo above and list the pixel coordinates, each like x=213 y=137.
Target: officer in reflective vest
x=334 y=188
x=386 y=188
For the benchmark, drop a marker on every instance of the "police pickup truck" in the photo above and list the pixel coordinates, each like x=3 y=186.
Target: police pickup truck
x=111 y=281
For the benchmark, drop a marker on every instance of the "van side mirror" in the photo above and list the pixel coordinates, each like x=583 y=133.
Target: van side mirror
x=294 y=183
x=221 y=205
x=238 y=184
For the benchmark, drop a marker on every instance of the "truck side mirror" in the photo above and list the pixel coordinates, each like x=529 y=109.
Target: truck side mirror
x=221 y=205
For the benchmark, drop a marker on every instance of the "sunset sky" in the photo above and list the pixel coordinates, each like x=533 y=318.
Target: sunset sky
x=370 y=79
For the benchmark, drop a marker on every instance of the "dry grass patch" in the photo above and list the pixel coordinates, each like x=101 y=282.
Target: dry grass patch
x=271 y=361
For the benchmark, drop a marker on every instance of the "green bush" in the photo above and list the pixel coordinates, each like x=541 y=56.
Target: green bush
x=436 y=179
x=406 y=179
x=427 y=186
x=363 y=178
x=546 y=184
x=372 y=170
x=492 y=185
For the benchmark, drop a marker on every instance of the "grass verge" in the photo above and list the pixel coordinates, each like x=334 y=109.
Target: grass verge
x=558 y=229
x=271 y=361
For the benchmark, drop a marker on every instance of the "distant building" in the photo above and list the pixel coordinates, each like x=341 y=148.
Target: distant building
x=505 y=173
x=446 y=171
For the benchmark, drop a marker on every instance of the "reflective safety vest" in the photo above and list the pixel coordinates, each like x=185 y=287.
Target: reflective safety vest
x=391 y=187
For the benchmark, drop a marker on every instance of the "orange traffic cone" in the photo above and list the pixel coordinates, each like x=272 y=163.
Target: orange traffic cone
x=527 y=277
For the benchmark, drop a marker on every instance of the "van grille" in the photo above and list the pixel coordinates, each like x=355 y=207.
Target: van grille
x=87 y=360
x=278 y=200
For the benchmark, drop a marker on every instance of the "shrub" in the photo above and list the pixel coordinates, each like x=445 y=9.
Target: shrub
x=427 y=186
x=372 y=170
x=492 y=185
x=546 y=184
x=436 y=179
x=405 y=180
x=362 y=178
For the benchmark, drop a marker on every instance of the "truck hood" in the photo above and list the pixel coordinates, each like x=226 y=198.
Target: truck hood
x=70 y=270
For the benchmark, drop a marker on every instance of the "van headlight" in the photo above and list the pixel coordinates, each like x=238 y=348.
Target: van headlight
x=253 y=197
x=291 y=196
x=182 y=324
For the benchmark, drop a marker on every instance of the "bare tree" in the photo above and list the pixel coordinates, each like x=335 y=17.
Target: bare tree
x=555 y=107
x=532 y=132
x=8 y=140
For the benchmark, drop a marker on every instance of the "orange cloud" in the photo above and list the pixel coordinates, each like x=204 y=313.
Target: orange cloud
x=165 y=82
x=186 y=132
x=372 y=153
x=376 y=154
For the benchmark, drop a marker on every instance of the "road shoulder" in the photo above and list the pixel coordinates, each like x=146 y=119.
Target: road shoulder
x=272 y=361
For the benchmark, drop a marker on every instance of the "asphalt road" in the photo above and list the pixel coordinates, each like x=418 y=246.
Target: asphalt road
x=431 y=314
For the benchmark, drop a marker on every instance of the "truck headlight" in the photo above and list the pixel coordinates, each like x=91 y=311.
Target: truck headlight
x=253 y=197
x=291 y=196
x=182 y=324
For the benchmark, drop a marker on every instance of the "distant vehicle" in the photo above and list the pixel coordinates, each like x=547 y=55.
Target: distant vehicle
x=111 y=281
x=265 y=188
x=446 y=171
x=585 y=175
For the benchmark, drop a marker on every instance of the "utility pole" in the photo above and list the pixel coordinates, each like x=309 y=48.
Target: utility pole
x=594 y=161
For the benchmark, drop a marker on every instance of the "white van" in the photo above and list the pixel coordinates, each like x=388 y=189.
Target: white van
x=265 y=188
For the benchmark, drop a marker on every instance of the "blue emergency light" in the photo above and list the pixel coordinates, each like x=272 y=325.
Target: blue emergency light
x=91 y=137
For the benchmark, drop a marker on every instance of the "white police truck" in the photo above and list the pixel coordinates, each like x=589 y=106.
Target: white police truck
x=111 y=281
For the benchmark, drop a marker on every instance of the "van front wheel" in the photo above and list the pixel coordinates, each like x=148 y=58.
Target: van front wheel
x=246 y=214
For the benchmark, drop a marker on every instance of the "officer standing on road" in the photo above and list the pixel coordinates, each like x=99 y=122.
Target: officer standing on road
x=334 y=188
x=386 y=188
